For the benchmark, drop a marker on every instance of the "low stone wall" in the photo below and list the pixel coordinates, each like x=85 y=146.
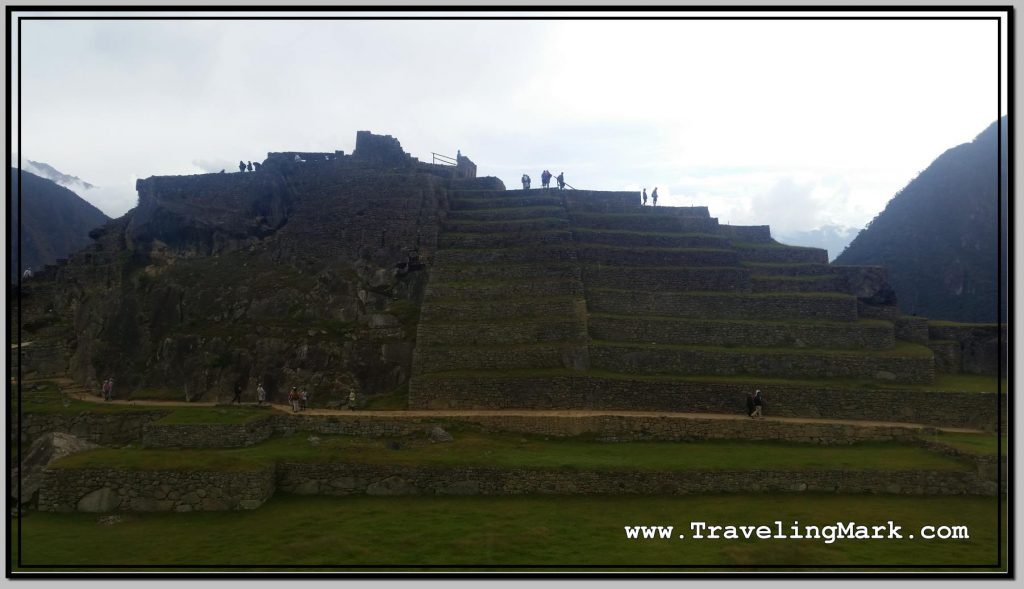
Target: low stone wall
x=206 y=435
x=599 y=199
x=499 y=210
x=784 y=255
x=742 y=306
x=499 y=358
x=501 y=256
x=510 y=272
x=489 y=310
x=507 y=226
x=912 y=329
x=461 y=202
x=735 y=333
x=788 y=364
x=979 y=345
x=754 y=233
x=498 y=240
x=525 y=331
x=953 y=409
x=350 y=479
x=797 y=284
x=947 y=356
x=648 y=220
x=540 y=286
x=657 y=257
x=105 y=490
x=612 y=428
x=628 y=239
x=665 y=279
x=106 y=429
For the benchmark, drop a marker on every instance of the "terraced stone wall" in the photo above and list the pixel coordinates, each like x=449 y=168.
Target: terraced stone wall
x=106 y=490
x=106 y=429
x=611 y=428
x=767 y=307
x=783 y=364
x=206 y=435
x=852 y=335
x=350 y=479
x=953 y=409
x=979 y=345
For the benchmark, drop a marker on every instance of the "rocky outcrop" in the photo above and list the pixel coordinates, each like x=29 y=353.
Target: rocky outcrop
x=44 y=451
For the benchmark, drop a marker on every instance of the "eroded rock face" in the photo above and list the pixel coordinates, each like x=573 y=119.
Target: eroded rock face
x=43 y=452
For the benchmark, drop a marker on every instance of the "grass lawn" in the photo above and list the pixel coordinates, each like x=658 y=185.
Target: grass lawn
x=509 y=450
x=496 y=532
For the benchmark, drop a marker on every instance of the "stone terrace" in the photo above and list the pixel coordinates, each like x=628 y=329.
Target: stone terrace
x=566 y=299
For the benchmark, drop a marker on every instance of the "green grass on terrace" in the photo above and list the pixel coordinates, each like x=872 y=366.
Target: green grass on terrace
x=453 y=223
x=472 y=448
x=983 y=444
x=639 y=250
x=505 y=234
x=786 y=278
x=938 y=323
x=943 y=382
x=487 y=211
x=743 y=295
x=902 y=349
x=769 y=245
x=586 y=230
x=221 y=414
x=801 y=322
x=329 y=533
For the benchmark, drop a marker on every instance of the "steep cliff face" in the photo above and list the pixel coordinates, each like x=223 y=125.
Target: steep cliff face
x=305 y=274
x=939 y=235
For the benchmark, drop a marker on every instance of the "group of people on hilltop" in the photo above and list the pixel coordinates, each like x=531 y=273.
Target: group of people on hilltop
x=545 y=180
x=248 y=167
x=654 y=196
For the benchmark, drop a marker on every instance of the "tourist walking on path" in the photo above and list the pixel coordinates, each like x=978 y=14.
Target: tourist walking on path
x=261 y=394
x=750 y=405
x=758 y=404
x=108 y=389
x=241 y=166
x=238 y=394
x=545 y=179
x=654 y=196
x=303 y=399
x=351 y=400
x=293 y=399
x=561 y=180
x=644 y=197
x=526 y=182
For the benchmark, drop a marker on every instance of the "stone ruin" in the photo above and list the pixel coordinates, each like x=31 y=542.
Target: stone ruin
x=378 y=273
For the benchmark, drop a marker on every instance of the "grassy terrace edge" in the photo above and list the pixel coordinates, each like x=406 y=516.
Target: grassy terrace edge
x=953 y=383
x=523 y=451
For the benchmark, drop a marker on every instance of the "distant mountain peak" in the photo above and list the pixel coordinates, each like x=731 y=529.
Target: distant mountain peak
x=45 y=170
x=938 y=235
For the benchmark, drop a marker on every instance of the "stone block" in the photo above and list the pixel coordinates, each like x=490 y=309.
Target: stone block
x=99 y=501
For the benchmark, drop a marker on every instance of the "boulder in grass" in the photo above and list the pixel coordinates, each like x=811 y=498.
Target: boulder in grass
x=438 y=434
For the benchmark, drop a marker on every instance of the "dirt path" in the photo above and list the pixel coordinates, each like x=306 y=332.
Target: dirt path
x=78 y=392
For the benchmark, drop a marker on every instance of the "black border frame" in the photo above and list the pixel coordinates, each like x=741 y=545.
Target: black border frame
x=481 y=13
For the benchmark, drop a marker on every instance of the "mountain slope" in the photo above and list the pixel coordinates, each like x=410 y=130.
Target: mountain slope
x=939 y=235
x=56 y=222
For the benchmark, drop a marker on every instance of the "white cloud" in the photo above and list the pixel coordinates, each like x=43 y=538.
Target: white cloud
x=746 y=117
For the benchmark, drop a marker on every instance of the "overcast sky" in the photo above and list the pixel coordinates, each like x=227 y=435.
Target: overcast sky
x=795 y=124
